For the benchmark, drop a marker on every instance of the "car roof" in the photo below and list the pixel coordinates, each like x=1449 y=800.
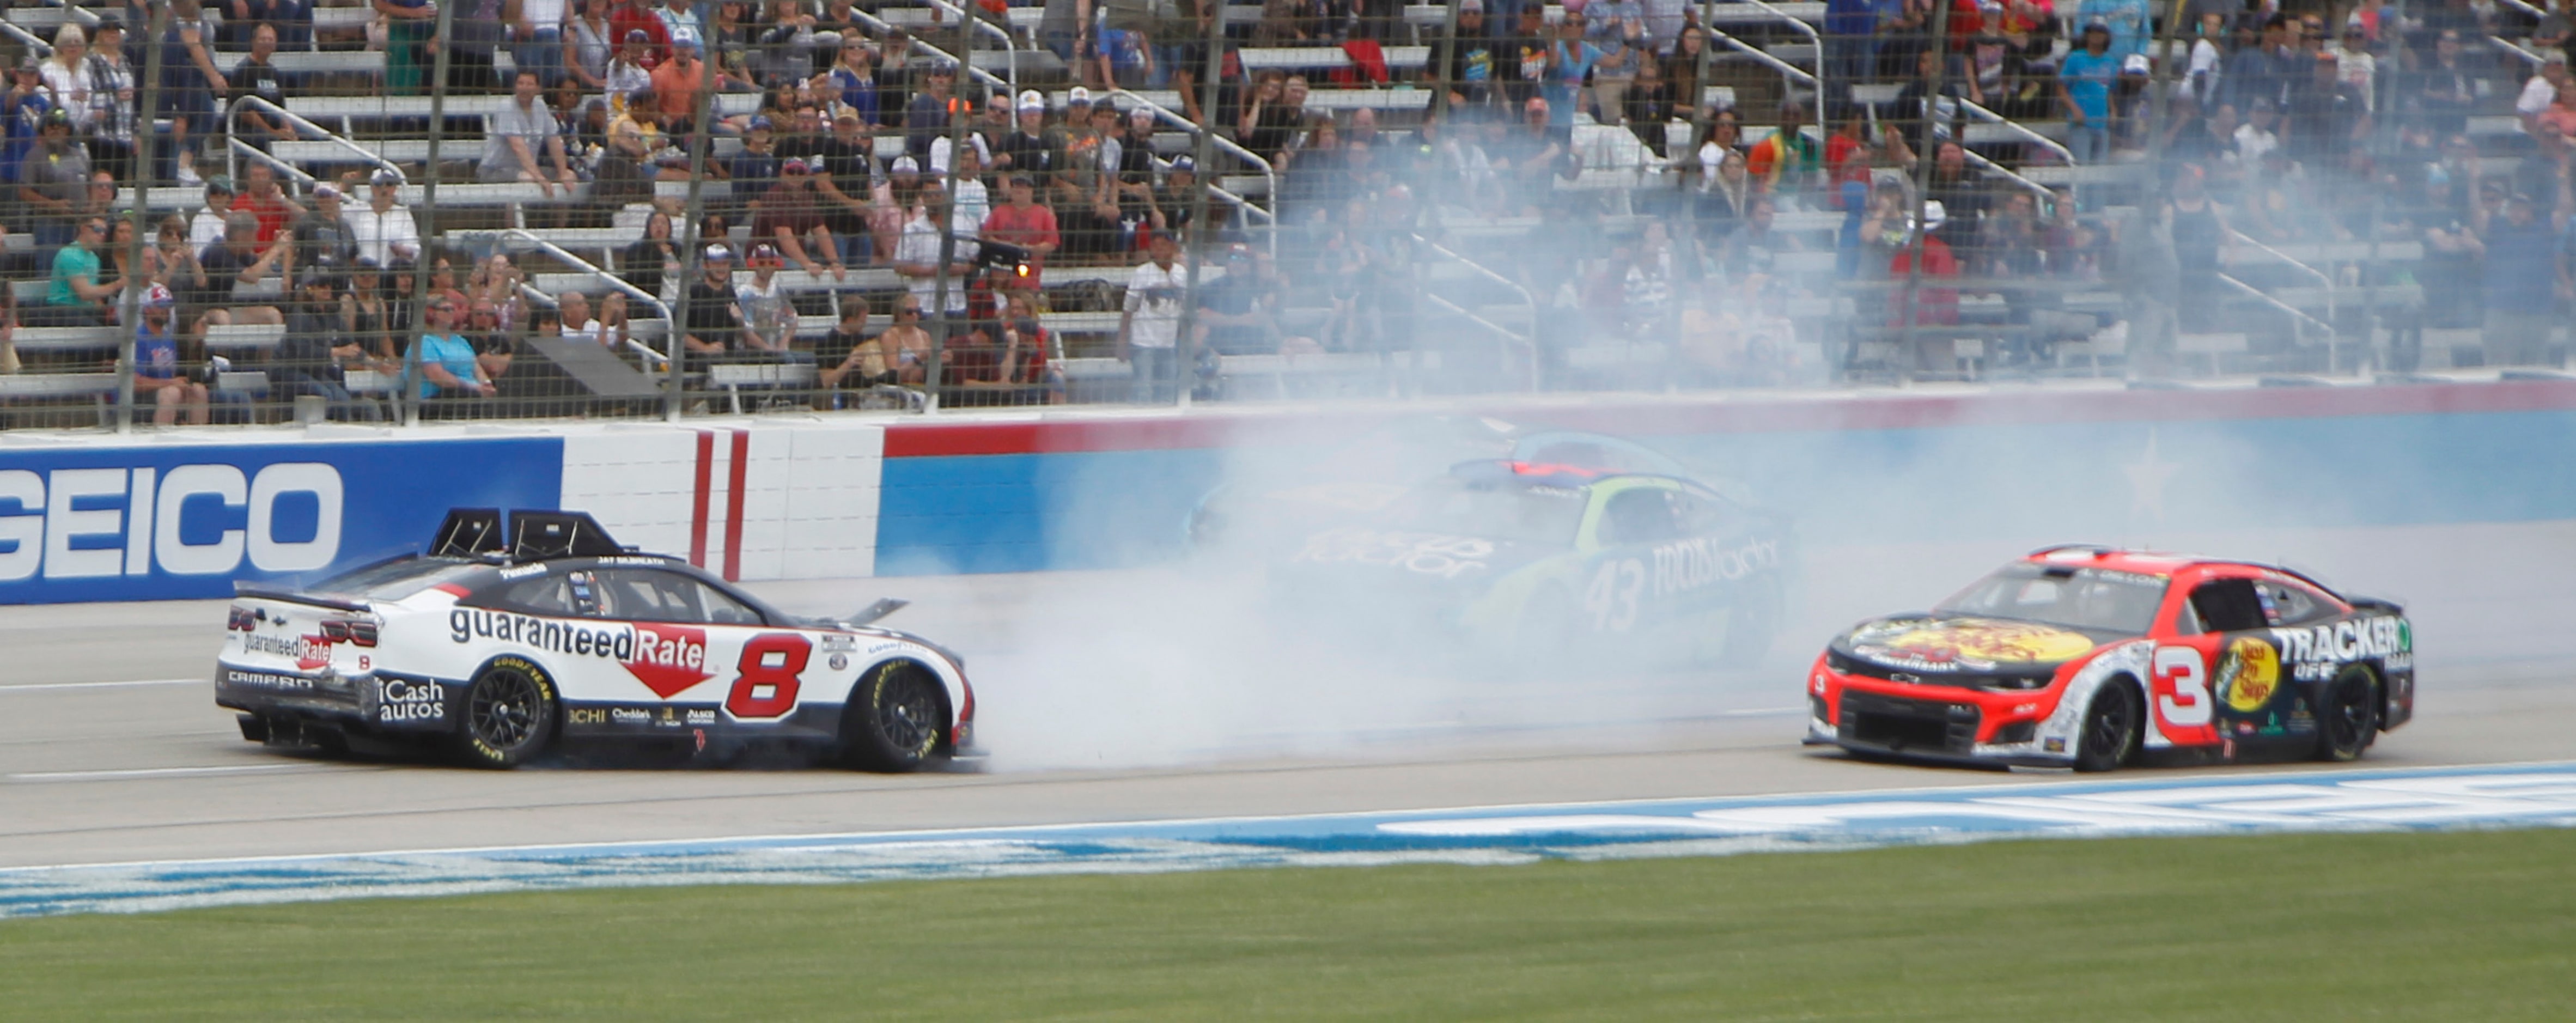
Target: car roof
x=2145 y=562
x=1544 y=474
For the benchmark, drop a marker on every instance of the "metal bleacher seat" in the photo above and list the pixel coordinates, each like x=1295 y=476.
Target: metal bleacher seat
x=311 y=62
x=1261 y=58
x=241 y=337
x=66 y=339
x=733 y=377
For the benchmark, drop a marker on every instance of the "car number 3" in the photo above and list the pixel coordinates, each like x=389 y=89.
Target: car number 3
x=2187 y=706
x=1612 y=597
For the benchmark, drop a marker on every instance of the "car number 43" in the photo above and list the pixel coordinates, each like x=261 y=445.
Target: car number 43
x=1611 y=600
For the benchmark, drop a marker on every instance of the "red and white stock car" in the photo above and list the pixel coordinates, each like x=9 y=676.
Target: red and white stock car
x=2093 y=658
x=503 y=649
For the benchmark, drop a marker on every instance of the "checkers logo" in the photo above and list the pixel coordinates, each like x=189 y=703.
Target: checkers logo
x=669 y=658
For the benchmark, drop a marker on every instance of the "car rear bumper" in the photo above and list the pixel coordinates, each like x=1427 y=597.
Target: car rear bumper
x=372 y=701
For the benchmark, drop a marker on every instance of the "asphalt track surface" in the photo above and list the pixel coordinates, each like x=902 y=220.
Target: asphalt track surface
x=1160 y=694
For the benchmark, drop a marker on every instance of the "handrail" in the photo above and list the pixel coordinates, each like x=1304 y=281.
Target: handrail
x=2333 y=345
x=580 y=265
x=234 y=146
x=1800 y=25
x=1488 y=273
x=1990 y=167
x=1762 y=56
x=627 y=332
x=1991 y=117
x=883 y=27
x=2526 y=8
x=2508 y=46
x=1009 y=46
x=42 y=48
x=233 y=108
x=1268 y=173
x=2241 y=238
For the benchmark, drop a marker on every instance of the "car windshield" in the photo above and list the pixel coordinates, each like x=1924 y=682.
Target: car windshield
x=2092 y=599
x=1508 y=511
x=396 y=579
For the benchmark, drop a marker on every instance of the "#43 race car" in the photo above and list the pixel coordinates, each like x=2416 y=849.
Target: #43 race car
x=2094 y=658
x=1544 y=561
x=500 y=649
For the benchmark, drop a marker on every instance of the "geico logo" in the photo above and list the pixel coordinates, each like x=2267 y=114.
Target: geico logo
x=90 y=523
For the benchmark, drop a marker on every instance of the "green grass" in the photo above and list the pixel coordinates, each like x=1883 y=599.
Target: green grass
x=2470 y=926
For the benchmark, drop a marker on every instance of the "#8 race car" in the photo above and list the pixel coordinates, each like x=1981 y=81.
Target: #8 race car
x=500 y=649
x=1554 y=560
x=2092 y=658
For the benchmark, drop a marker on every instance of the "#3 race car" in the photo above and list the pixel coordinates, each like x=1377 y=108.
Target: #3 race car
x=2094 y=658
x=499 y=649
x=1552 y=560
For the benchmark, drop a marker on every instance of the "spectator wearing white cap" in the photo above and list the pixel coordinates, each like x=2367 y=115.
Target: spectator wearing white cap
x=321 y=234
x=768 y=317
x=384 y=231
x=1024 y=150
x=713 y=320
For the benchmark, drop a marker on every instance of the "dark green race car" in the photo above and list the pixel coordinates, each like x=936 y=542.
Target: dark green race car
x=1536 y=561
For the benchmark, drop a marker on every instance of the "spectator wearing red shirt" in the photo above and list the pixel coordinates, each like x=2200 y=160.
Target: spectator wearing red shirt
x=629 y=17
x=261 y=198
x=1932 y=306
x=1024 y=223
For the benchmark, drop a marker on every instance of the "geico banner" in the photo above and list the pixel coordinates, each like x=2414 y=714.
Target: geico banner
x=177 y=521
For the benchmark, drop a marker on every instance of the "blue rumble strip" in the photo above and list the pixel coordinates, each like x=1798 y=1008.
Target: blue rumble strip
x=2536 y=795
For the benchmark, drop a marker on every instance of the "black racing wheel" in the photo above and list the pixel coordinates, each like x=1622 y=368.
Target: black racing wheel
x=509 y=714
x=895 y=718
x=2111 y=728
x=2348 y=715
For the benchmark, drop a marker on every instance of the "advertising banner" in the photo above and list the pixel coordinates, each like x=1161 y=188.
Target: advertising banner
x=179 y=521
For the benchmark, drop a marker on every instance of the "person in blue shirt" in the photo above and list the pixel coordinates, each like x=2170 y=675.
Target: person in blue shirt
x=1569 y=60
x=156 y=364
x=2127 y=20
x=2084 y=82
x=447 y=364
x=23 y=108
x=2522 y=273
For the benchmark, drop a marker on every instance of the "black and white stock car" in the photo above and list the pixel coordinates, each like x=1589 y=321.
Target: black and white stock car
x=501 y=649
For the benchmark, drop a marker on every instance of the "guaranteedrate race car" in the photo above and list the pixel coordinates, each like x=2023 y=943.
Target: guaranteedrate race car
x=2094 y=658
x=499 y=650
x=1537 y=561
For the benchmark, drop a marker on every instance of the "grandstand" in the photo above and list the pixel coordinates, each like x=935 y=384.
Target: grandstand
x=1398 y=198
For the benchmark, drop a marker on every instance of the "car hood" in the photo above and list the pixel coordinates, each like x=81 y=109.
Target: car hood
x=1363 y=551
x=1929 y=643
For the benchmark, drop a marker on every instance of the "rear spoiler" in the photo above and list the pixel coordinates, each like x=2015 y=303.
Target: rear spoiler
x=298 y=597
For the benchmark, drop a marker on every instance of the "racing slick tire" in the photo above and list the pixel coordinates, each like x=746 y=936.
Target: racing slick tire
x=510 y=715
x=894 y=719
x=2348 y=715
x=2113 y=723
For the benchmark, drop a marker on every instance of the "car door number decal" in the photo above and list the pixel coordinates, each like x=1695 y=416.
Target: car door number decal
x=2182 y=700
x=1612 y=597
x=767 y=683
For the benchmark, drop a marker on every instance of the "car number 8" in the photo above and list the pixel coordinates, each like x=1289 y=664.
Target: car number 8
x=791 y=652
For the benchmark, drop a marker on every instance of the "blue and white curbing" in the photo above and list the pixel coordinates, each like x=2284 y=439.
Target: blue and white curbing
x=2512 y=796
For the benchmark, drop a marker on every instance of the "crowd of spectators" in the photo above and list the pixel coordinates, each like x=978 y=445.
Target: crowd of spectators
x=867 y=179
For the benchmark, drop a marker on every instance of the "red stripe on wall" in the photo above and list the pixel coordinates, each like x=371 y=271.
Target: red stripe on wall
x=698 y=507
x=1648 y=415
x=733 y=506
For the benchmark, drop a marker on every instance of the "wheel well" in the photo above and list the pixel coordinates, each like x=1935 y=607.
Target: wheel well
x=947 y=708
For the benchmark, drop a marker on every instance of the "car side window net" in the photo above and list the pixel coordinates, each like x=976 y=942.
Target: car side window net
x=2229 y=605
x=1638 y=516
